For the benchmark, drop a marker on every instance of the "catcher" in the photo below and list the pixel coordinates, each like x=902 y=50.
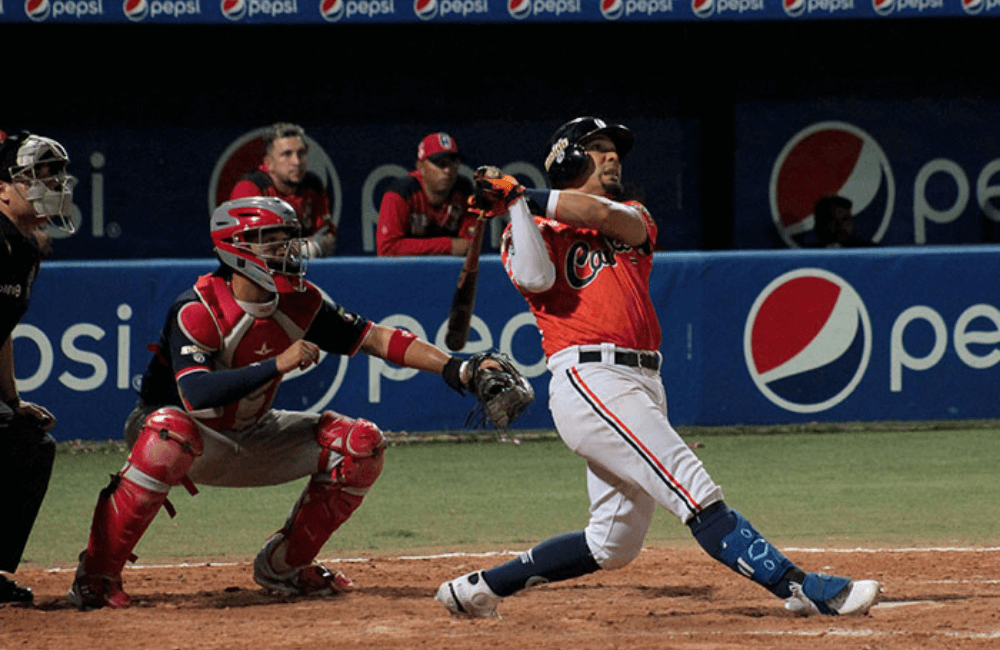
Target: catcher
x=204 y=412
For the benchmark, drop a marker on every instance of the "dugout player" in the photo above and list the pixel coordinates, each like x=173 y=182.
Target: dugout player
x=834 y=223
x=204 y=412
x=426 y=211
x=34 y=190
x=584 y=269
x=284 y=173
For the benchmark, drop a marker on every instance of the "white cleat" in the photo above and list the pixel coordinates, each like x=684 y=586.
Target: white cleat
x=849 y=596
x=469 y=596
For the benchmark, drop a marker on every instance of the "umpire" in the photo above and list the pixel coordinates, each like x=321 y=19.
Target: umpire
x=34 y=190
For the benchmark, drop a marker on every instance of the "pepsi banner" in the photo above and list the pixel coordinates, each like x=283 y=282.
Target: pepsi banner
x=748 y=338
x=387 y=12
x=916 y=172
x=148 y=193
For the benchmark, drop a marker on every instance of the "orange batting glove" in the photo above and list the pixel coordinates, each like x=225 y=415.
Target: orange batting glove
x=494 y=192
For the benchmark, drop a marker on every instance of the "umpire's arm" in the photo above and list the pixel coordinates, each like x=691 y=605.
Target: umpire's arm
x=8 y=388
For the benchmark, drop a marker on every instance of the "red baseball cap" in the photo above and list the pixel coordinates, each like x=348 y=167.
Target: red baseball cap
x=436 y=144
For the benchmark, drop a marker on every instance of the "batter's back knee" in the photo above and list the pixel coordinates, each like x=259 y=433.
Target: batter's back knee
x=359 y=443
x=614 y=553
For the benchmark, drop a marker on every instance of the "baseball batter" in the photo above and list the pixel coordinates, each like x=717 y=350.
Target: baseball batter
x=204 y=414
x=583 y=265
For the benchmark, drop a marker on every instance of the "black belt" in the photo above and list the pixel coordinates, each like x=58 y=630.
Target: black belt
x=635 y=359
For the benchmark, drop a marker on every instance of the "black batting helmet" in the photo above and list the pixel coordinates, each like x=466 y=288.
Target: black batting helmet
x=565 y=157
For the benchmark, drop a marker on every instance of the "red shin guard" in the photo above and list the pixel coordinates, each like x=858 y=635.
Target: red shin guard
x=324 y=505
x=160 y=459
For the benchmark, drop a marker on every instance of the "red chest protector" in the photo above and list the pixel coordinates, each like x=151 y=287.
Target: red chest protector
x=218 y=324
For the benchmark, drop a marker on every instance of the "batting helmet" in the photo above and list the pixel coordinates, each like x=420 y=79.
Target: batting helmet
x=238 y=231
x=566 y=159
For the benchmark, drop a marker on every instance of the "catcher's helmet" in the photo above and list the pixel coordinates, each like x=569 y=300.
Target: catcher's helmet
x=566 y=159
x=239 y=231
x=40 y=164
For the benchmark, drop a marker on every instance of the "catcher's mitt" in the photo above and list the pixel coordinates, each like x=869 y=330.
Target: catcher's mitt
x=494 y=191
x=503 y=391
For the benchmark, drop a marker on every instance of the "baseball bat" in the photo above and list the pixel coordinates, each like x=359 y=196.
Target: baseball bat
x=460 y=316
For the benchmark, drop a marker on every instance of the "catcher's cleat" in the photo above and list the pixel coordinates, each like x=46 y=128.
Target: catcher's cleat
x=313 y=580
x=94 y=591
x=832 y=595
x=469 y=596
x=11 y=592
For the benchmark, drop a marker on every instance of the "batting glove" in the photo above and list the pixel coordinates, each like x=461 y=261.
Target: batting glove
x=494 y=192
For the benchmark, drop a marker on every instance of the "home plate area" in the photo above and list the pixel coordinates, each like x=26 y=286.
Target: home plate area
x=668 y=598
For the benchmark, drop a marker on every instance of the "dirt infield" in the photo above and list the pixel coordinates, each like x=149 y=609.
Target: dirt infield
x=666 y=599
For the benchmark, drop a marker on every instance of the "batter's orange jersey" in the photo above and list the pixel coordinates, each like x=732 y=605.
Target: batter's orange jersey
x=601 y=292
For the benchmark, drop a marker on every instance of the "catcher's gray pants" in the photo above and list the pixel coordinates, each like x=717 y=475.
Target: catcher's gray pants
x=280 y=448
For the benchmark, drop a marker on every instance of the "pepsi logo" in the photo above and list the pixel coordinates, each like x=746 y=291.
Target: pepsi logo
x=135 y=10
x=37 y=9
x=332 y=10
x=612 y=9
x=703 y=8
x=807 y=340
x=973 y=7
x=884 y=7
x=794 y=8
x=425 y=9
x=831 y=158
x=244 y=155
x=234 y=9
x=519 y=9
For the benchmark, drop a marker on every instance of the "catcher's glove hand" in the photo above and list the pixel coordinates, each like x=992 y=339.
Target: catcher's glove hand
x=494 y=191
x=503 y=391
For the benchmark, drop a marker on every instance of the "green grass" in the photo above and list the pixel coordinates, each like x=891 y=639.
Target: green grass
x=896 y=487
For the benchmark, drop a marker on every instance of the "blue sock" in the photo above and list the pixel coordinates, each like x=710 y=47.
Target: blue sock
x=727 y=536
x=558 y=558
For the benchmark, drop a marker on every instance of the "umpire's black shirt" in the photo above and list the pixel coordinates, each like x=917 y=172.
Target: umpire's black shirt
x=19 y=260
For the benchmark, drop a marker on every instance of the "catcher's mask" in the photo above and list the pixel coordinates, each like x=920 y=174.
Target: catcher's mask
x=40 y=165
x=261 y=238
x=566 y=159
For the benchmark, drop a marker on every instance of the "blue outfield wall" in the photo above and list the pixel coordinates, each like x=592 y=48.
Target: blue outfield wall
x=749 y=337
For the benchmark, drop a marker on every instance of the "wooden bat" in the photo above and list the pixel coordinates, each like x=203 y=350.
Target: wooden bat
x=460 y=316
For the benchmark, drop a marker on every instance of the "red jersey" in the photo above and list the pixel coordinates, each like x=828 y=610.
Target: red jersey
x=409 y=225
x=310 y=200
x=601 y=292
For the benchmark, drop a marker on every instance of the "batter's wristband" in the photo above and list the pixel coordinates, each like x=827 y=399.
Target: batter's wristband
x=545 y=199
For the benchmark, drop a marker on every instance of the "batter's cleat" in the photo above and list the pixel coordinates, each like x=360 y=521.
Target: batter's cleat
x=469 y=596
x=313 y=580
x=94 y=591
x=832 y=595
x=11 y=592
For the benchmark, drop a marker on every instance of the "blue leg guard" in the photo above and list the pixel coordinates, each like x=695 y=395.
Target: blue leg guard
x=820 y=588
x=727 y=536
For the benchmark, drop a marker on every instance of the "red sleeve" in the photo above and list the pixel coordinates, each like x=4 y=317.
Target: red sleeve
x=468 y=228
x=393 y=237
x=651 y=228
x=323 y=210
x=244 y=189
